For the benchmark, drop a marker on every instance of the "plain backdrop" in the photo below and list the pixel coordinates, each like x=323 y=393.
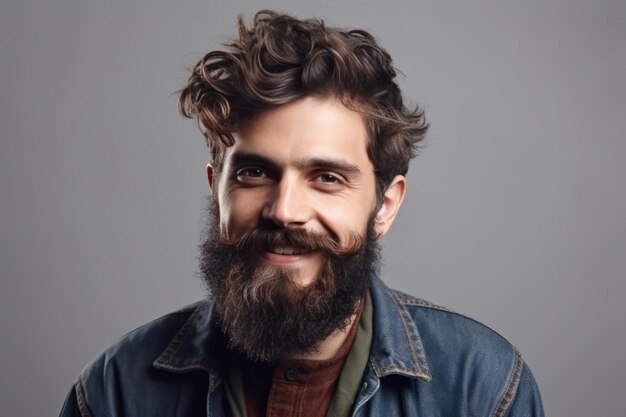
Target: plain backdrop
x=515 y=209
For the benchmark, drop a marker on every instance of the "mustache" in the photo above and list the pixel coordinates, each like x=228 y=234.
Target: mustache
x=299 y=239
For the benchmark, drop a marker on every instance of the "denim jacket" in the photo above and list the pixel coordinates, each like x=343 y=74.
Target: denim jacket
x=424 y=361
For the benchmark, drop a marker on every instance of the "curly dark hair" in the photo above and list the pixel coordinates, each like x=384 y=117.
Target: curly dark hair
x=280 y=59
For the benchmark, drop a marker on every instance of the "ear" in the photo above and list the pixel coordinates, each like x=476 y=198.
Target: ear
x=211 y=177
x=392 y=200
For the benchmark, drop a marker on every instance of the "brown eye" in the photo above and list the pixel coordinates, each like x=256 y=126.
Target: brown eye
x=328 y=179
x=251 y=175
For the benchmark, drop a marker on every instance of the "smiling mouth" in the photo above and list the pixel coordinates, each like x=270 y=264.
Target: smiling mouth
x=287 y=250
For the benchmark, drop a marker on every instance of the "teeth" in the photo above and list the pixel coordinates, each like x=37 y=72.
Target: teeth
x=285 y=250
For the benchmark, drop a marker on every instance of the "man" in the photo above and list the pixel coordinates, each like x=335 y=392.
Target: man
x=309 y=142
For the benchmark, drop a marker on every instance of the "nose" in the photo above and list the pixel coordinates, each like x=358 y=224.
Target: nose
x=288 y=205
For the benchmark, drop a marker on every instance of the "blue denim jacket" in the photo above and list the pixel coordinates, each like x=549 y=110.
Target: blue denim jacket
x=424 y=361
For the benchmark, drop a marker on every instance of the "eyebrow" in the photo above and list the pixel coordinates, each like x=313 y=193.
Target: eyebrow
x=338 y=165
x=240 y=158
x=243 y=158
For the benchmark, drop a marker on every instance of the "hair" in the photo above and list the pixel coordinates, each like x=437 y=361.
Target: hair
x=280 y=59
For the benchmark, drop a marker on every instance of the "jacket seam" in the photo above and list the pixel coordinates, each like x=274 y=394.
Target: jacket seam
x=418 y=302
x=80 y=399
x=409 y=334
x=190 y=308
x=511 y=386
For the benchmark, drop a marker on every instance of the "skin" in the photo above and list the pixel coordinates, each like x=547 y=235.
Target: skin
x=303 y=165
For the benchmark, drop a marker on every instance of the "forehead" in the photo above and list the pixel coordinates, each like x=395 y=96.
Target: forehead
x=321 y=128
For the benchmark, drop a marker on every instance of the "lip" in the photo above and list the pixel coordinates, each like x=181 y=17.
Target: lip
x=281 y=259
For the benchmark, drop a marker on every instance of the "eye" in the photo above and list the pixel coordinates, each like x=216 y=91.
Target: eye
x=328 y=179
x=250 y=174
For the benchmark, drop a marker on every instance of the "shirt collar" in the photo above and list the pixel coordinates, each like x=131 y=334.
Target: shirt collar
x=396 y=345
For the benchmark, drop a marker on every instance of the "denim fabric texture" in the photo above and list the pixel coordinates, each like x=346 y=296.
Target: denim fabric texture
x=424 y=361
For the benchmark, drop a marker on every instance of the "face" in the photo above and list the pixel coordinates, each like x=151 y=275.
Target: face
x=303 y=165
x=292 y=242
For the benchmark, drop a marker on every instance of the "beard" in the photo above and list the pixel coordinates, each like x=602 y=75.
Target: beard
x=263 y=311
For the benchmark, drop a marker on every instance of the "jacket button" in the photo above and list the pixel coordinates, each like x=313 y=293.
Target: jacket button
x=291 y=374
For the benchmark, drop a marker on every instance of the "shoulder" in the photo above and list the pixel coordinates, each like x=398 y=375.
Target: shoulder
x=441 y=326
x=123 y=376
x=467 y=359
x=143 y=345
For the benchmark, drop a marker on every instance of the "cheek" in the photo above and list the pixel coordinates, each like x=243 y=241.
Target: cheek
x=238 y=214
x=346 y=220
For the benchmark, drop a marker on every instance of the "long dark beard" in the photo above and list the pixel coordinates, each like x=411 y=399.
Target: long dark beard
x=262 y=310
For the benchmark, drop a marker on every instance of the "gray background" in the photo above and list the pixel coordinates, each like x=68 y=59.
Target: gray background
x=515 y=211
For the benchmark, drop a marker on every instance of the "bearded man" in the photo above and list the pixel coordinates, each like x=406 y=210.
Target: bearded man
x=310 y=142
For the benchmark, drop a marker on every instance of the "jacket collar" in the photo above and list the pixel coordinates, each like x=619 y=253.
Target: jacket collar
x=396 y=345
x=191 y=348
